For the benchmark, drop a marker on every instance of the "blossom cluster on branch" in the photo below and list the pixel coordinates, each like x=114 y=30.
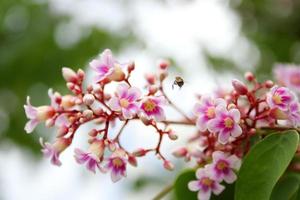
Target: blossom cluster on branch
x=224 y=122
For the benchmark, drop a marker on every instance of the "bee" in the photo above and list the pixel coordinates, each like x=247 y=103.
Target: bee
x=178 y=81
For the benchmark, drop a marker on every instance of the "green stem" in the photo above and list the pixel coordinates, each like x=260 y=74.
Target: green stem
x=164 y=192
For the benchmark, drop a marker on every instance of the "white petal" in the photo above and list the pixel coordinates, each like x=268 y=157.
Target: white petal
x=204 y=195
x=223 y=137
x=218 y=188
x=194 y=186
x=230 y=177
x=236 y=131
x=235 y=114
x=30 y=125
x=114 y=104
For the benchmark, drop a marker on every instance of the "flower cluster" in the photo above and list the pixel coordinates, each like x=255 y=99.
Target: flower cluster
x=94 y=104
x=224 y=122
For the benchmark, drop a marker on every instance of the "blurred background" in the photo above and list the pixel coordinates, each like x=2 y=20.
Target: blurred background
x=208 y=42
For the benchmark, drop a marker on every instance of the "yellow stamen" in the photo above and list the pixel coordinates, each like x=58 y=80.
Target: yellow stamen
x=210 y=113
x=221 y=165
x=124 y=103
x=149 y=105
x=117 y=162
x=228 y=122
x=206 y=181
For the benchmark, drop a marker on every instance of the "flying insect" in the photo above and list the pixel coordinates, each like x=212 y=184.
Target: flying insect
x=178 y=81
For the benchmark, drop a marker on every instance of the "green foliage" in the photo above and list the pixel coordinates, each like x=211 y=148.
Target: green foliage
x=287 y=187
x=263 y=166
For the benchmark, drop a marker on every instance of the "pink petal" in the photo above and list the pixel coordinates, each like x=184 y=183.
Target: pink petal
x=223 y=137
x=107 y=58
x=235 y=162
x=201 y=123
x=230 y=177
x=236 y=131
x=114 y=104
x=160 y=115
x=122 y=90
x=134 y=93
x=212 y=125
x=235 y=114
x=218 y=188
x=217 y=155
x=204 y=195
x=127 y=114
x=194 y=186
x=200 y=173
x=30 y=125
x=115 y=176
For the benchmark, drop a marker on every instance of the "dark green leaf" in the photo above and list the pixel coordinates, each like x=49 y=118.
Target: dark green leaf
x=263 y=166
x=286 y=188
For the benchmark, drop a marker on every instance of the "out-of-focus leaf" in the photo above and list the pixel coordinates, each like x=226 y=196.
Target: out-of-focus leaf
x=264 y=164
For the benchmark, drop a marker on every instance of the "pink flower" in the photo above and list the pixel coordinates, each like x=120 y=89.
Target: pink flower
x=294 y=114
x=226 y=124
x=280 y=97
x=223 y=165
x=117 y=165
x=53 y=151
x=92 y=157
x=205 y=110
x=107 y=67
x=151 y=108
x=205 y=184
x=125 y=100
x=36 y=115
x=288 y=75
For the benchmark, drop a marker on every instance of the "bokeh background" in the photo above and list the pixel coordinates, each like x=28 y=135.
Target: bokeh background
x=208 y=42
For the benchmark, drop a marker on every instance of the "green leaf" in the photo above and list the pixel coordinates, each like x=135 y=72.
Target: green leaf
x=286 y=188
x=181 y=186
x=183 y=193
x=264 y=164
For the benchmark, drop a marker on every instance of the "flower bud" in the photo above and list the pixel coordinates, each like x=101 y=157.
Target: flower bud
x=67 y=101
x=80 y=74
x=131 y=67
x=152 y=89
x=70 y=86
x=88 y=114
x=61 y=144
x=93 y=133
x=164 y=64
x=181 y=152
x=97 y=148
x=49 y=123
x=69 y=75
x=172 y=135
x=117 y=75
x=168 y=165
x=139 y=152
x=239 y=87
x=150 y=78
x=132 y=160
x=249 y=76
x=44 y=113
x=63 y=130
x=269 y=83
x=88 y=99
